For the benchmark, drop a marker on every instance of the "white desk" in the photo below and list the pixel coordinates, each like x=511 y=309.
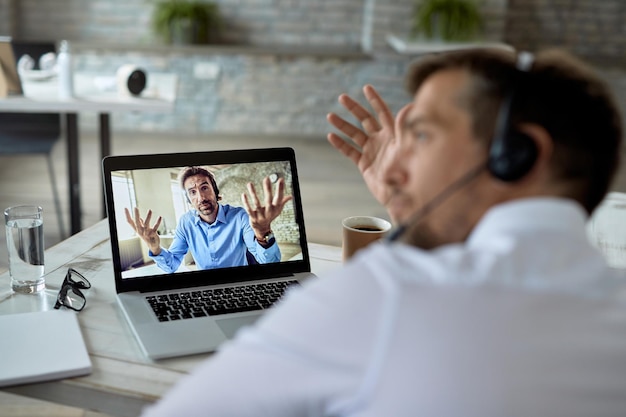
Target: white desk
x=123 y=380
x=42 y=97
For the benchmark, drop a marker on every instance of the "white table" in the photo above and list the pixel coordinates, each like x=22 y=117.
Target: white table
x=42 y=97
x=123 y=380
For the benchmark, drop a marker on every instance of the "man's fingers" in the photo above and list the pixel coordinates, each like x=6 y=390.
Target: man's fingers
x=255 y=197
x=267 y=190
x=368 y=121
x=156 y=225
x=148 y=218
x=245 y=202
x=357 y=135
x=344 y=147
x=380 y=107
x=285 y=200
x=129 y=219
x=141 y=226
x=280 y=192
x=138 y=220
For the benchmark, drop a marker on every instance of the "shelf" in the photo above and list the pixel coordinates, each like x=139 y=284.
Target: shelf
x=406 y=47
x=331 y=52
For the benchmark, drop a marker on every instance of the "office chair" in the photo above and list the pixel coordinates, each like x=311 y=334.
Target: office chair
x=33 y=133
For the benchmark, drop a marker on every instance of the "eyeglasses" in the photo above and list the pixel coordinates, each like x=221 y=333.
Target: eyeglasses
x=70 y=294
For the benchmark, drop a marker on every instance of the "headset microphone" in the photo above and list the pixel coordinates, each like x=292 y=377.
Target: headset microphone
x=436 y=201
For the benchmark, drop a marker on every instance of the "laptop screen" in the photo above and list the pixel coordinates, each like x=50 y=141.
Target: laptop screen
x=192 y=251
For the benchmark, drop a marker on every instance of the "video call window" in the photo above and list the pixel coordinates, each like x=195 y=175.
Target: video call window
x=159 y=190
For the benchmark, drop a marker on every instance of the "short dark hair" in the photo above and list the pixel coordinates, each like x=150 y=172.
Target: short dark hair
x=561 y=94
x=196 y=170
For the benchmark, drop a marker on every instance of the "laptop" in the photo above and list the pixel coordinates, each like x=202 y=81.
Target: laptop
x=196 y=308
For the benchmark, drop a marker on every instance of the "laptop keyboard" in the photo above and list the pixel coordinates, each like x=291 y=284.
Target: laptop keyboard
x=213 y=302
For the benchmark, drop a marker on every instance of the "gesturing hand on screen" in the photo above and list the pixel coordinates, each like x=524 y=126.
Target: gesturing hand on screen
x=262 y=215
x=146 y=232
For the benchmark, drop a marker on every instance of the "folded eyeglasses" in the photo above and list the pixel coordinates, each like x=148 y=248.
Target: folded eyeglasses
x=70 y=294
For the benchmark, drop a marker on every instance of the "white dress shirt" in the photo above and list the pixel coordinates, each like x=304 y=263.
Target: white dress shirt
x=524 y=319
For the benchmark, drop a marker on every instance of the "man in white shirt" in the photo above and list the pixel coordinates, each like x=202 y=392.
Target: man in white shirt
x=491 y=301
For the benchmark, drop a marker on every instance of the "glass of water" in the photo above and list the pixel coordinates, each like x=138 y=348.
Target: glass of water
x=24 y=229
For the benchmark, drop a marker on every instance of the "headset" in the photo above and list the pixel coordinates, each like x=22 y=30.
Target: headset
x=212 y=180
x=512 y=153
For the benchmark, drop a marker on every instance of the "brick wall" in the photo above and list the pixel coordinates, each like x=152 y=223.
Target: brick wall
x=256 y=22
x=291 y=95
x=7 y=17
x=232 y=182
x=253 y=93
x=592 y=29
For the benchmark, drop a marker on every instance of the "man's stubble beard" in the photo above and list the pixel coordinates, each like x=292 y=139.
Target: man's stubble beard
x=430 y=232
x=212 y=206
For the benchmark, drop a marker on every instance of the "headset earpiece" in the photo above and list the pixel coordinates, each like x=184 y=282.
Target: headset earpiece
x=511 y=158
x=512 y=153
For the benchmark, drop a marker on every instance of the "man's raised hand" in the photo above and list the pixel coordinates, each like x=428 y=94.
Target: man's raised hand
x=143 y=229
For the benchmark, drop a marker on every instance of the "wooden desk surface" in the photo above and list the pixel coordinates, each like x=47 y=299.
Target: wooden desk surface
x=123 y=380
x=19 y=406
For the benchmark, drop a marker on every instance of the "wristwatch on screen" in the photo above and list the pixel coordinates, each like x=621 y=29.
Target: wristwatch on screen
x=268 y=239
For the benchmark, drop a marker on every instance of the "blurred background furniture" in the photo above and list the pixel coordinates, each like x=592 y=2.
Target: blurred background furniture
x=42 y=96
x=33 y=133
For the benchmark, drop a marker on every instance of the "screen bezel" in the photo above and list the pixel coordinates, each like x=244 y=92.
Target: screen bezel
x=213 y=276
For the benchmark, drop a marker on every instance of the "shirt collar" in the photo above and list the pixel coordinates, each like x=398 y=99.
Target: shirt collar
x=221 y=215
x=529 y=215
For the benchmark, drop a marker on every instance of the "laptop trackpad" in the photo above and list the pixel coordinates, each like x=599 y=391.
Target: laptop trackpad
x=231 y=325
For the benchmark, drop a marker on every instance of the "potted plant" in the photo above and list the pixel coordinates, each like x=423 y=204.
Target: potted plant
x=187 y=21
x=447 y=20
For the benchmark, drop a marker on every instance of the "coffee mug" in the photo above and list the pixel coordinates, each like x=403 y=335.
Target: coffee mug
x=360 y=231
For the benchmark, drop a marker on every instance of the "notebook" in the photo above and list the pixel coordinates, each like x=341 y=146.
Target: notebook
x=41 y=346
x=202 y=302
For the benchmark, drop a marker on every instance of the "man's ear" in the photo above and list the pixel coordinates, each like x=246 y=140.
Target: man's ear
x=545 y=147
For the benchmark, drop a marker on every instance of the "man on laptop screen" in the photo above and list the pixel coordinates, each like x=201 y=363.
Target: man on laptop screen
x=210 y=232
x=217 y=235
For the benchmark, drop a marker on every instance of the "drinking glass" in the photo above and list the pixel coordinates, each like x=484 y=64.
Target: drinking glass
x=25 y=242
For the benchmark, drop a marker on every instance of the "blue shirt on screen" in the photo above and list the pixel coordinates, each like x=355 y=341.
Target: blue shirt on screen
x=218 y=245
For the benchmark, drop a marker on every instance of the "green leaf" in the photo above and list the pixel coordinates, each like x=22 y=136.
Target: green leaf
x=201 y=16
x=450 y=20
